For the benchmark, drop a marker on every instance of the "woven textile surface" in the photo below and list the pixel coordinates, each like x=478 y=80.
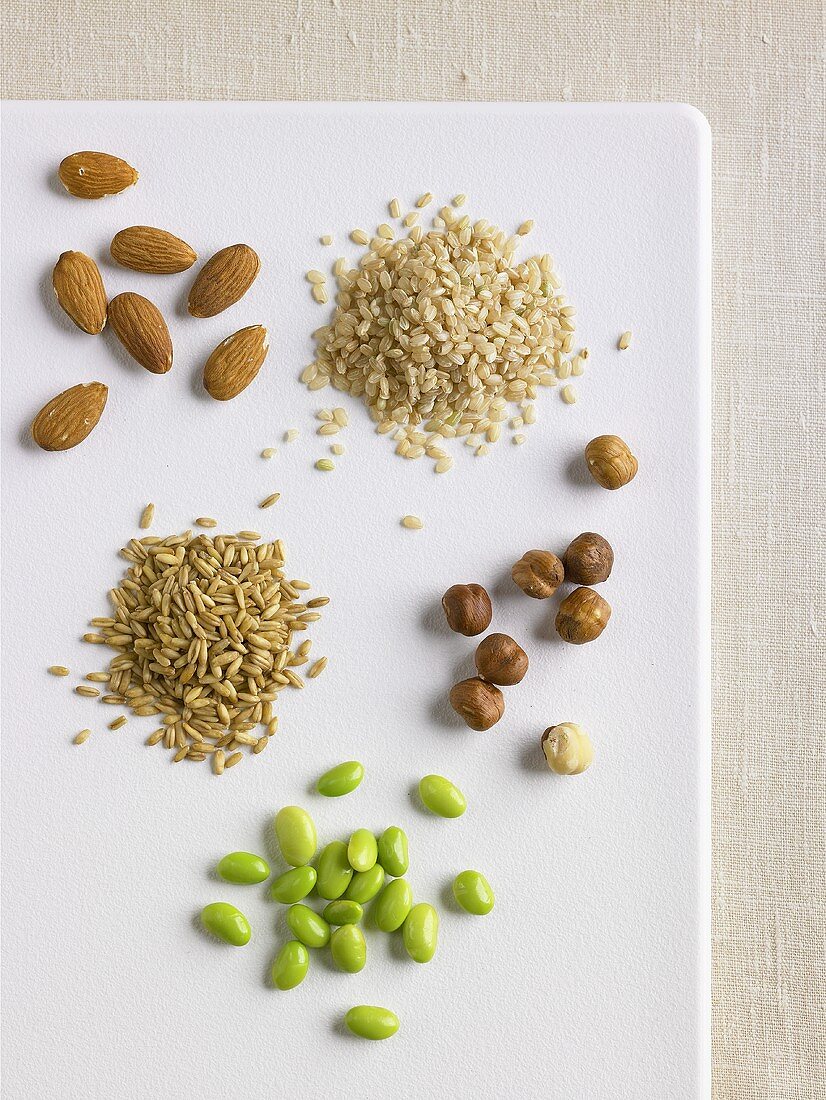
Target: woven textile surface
x=758 y=72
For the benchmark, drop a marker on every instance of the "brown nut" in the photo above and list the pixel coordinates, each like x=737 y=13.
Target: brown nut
x=582 y=616
x=538 y=573
x=610 y=461
x=467 y=609
x=501 y=660
x=479 y=703
x=588 y=560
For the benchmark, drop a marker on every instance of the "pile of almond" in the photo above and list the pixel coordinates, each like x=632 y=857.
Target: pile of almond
x=138 y=323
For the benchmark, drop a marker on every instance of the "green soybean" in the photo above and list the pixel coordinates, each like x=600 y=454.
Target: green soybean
x=296 y=835
x=362 y=851
x=226 y=922
x=421 y=932
x=473 y=892
x=348 y=948
x=393 y=904
x=342 y=779
x=243 y=868
x=441 y=796
x=393 y=851
x=291 y=965
x=371 y=1022
x=308 y=926
x=333 y=871
x=293 y=885
x=343 y=912
x=364 y=885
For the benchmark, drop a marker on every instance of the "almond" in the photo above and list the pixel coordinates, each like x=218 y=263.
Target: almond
x=141 y=329
x=79 y=289
x=69 y=417
x=223 y=280
x=235 y=362
x=90 y=175
x=152 y=250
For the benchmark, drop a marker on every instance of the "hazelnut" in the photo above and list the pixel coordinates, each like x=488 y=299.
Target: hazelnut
x=501 y=660
x=567 y=748
x=538 y=573
x=467 y=609
x=588 y=560
x=610 y=461
x=479 y=703
x=582 y=616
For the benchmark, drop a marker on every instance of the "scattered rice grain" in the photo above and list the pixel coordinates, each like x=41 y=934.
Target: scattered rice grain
x=290 y=435
x=394 y=208
x=443 y=465
x=58 y=670
x=119 y=722
x=412 y=523
x=325 y=464
x=459 y=200
x=525 y=228
x=325 y=239
x=81 y=737
x=206 y=521
x=147 y=515
x=268 y=452
x=320 y=295
x=518 y=440
x=234 y=759
x=268 y=502
x=624 y=341
x=358 y=236
x=316 y=277
x=568 y=394
x=87 y=692
x=337 y=449
x=424 y=200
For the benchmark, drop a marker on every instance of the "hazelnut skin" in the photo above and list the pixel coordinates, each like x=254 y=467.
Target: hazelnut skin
x=582 y=616
x=588 y=560
x=467 y=609
x=538 y=573
x=479 y=703
x=501 y=660
x=610 y=461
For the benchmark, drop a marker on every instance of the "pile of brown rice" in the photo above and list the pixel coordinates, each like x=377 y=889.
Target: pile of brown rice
x=204 y=630
x=442 y=329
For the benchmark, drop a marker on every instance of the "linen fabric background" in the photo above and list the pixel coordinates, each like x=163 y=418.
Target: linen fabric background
x=757 y=71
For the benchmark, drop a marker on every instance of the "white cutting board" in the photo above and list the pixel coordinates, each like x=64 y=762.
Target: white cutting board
x=590 y=978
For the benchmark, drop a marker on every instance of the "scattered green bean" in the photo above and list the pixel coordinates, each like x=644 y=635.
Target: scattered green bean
x=243 y=868
x=421 y=932
x=291 y=965
x=393 y=855
x=364 y=885
x=226 y=922
x=343 y=911
x=296 y=835
x=393 y=904
x=362 y=851
x=371 y=1022
x=473 y=892
x=348 y=948
x=308 y=926
x=294 y=885
x=342 y=779
x=441 y=796
x=333 y=871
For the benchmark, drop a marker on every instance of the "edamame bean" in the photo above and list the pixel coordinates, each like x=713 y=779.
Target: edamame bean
x=343 y=912
x=348 y=948
x=291 y=965
x=364 y=885
x=421 y=932
x=226 y=922
x=393 y=905
x=342 y=779
x=362 y=851
x=308 y=926
x=333 y=871
x=371 y=1022
x=293 y=885
x=441 y=796
x=243 y=868
x=393 y=851
x=296 y=835
x=472 y=891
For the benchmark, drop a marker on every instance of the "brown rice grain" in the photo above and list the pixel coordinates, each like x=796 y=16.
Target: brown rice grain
x=119 y=722
x=147 y=515
x=393 y=208
x=234 y=759
x=317 y=668
x=81 y=737
x=268 y=502
x=58 y=670
x=218 y=761
x=206 y=521
x=87 y=692
x=412 y=523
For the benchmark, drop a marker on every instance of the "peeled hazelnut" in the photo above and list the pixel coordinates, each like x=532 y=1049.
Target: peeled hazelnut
x=582 y=616
x=480 y=704
x=467 y=609
x=610 y=461
x=501 y=660
x=588 y=560
x=538 y=573
x=567 y=748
